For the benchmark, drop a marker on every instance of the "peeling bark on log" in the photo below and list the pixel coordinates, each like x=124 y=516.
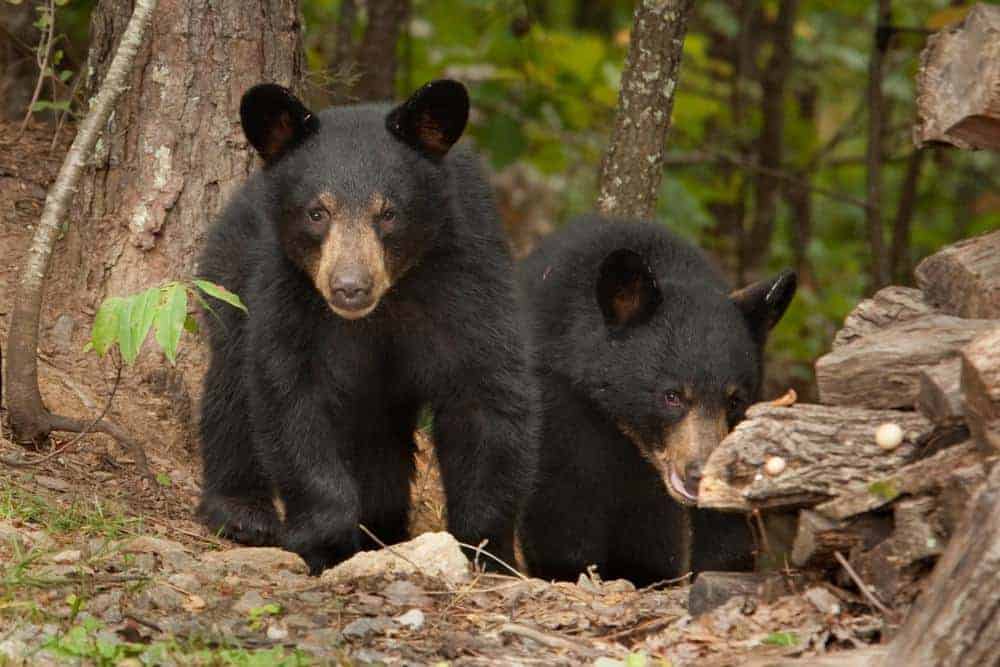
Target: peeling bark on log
x=964 y=279
x=956 y=494
x=981 y=389
x=888 y=306
x=818 y=537
x=824 y=449
x=923 y=476
x=956 y=622
x=882 y=370
x=940 y=395
x=958 y=85
x=895 y=563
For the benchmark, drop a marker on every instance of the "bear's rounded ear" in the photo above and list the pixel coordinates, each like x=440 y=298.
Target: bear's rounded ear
x=275 y=121
x=433 y=119
x=763 y=303
x=626 y=289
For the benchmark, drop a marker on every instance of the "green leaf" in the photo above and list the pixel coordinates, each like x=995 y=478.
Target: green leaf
x=782 y=639
x=105 y=330
x=170 y=318
x=126 y=340
x=219 y=292
x=884 y=489
x=163 y=479
x=143 y=312
x=190 y=324
x=66 y=74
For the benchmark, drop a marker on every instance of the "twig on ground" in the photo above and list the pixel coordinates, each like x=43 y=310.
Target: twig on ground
x=56 y=451
x=665 y=582
x=651 y=624
x=481 y=551
x=863 y=587
x=545 y=639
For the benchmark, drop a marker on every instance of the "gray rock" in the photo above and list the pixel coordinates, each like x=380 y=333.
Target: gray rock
x=413 y=619
x=363 y=627
x=249 y=601
x=263 y=561
x=403 y=593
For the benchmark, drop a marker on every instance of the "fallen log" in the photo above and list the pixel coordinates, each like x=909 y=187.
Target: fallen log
x=930 y=474
x=882 y=370
x=958 y=84
x=939 y=397
x=956 y=621
x=896 y=562
x=888 y=306
x=981 y=389
x=963 y=279
x=818 y=537
x=822 y=449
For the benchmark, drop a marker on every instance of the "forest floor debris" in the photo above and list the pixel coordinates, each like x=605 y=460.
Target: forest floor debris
x=120 y=570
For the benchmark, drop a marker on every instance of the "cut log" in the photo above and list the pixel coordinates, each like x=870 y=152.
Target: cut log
x=896 y=562
x=714 y=589
x=956 y=494
x=888 y=306
x=958 y=85
x=824 y=449
x=964 y=279
x=981 y=389
x=927 y=475
x=818 y=537
x=956 y=621
x=940 y=395
x=882 y=370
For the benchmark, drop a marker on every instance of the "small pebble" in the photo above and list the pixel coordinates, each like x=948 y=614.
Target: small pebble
x=889 y=436
x=774 y=466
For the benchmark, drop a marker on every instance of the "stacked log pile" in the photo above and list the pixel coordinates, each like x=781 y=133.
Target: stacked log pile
x=881 y=472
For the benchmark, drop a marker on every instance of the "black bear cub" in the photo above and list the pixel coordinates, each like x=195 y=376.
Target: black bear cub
x=370 y=257
x=645 y=360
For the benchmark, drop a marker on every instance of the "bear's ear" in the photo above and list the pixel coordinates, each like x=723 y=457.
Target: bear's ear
x=626 y=289
x=275 y=121
x=763 y=303
x=433 y=119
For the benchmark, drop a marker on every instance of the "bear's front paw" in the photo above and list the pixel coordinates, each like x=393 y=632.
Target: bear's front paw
x=252 y=522
x=322 y=549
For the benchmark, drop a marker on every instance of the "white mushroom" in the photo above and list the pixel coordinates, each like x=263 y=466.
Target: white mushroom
x=774 y=466
x=888 y=436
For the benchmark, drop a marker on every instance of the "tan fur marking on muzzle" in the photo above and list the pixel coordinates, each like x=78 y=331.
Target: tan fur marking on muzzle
x=351 y=244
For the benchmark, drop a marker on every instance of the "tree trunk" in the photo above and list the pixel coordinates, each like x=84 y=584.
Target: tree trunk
x=899 y=254
x=168 y=160
x=633 y=166
x=770 y=149
x=377 y=53
x=878 y=273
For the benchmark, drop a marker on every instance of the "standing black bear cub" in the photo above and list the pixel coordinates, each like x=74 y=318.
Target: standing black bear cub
x=645 y=361
x=371 y=260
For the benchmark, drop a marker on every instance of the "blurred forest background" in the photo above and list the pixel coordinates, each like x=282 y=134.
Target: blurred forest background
x=768 y=151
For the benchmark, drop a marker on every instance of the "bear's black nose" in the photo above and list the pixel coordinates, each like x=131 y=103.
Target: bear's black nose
x=692 y=478
x=352 y=292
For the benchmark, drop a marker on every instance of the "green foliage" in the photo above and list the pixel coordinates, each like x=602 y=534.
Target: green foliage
x=126 y=321
x=885 y=489
x=782 y=639
x=91 y=643
x=258 y=614
x=73 y=517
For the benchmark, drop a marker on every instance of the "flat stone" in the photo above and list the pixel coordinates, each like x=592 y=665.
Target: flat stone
x=265 y=561
x=413 y=619
x=431 y=554
x=248 y=602
x=52 y=483
x=363 y=627
x=67 y=557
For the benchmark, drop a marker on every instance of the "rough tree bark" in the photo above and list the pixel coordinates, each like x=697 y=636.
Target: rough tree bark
x=170 y=156
x=30 y=421
x=957 y=620
x=633 y=165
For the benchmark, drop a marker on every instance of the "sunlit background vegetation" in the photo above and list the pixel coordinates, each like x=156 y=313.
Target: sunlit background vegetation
x=544 y=80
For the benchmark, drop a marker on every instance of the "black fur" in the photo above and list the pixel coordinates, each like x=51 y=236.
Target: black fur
x=320 y=410
x=598 y=501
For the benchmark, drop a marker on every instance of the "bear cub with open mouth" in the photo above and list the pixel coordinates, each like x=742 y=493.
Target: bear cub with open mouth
x=645 y=359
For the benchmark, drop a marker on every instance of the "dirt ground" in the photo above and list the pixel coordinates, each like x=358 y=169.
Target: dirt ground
x=99 y=565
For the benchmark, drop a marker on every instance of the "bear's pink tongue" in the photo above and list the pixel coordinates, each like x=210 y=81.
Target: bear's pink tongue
x=678 y=484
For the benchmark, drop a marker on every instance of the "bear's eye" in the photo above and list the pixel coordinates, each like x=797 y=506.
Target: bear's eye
x=673 y=399
x=317 y=214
